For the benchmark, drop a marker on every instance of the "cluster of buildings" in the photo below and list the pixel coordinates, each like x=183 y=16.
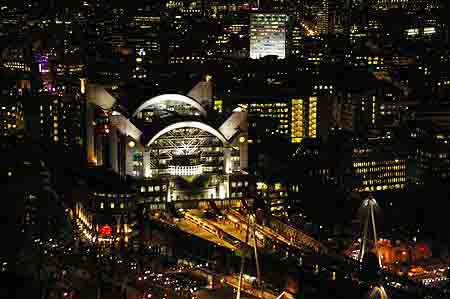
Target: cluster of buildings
x=391 y=162
x=191 y=102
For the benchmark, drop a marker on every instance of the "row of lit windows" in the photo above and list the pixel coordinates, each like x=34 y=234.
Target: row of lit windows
x=139 y=76
x=382 y=162
x=361 y=151
x=17 y=65
x=269 y=108
x=265 y=113
x=181 y=58
x=384 y=172
x=154 y=188
x=384 y=181
x=147 y=18
x=13 y=108
x=9 y=126
x=312 y=125
x=270 y=105
x=111 y=195
x=380 y=187
x=239 y=184
x=154 y=199
x=112 y=205
x=297 y=120
x=380 y=169
x=379 y=165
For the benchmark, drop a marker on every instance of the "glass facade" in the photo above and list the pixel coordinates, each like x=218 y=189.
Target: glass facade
x=268 y=35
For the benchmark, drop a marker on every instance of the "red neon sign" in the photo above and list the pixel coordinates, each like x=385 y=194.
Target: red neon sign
x=105 y=230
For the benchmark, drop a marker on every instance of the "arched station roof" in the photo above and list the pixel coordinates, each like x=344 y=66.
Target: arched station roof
x=171 y=97
x=189 y=124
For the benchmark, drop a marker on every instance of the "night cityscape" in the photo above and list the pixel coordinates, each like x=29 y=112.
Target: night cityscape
x=225 y=149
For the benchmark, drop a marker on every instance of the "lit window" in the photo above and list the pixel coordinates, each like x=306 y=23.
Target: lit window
x=112 y=205
x=102 y=205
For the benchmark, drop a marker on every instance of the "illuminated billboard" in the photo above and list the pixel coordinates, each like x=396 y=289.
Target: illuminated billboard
x=268 y=35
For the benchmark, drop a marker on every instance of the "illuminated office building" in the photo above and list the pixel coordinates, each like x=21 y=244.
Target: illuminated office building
x=312 y=117
x=169 y=146
x=268 y=33
x=69 y=69
x=145 y=39
x=233 y=41
x=11 y=116
x=321 y=13
x=293 y=118
x=274 y=193
x=382 y=165
x=185 y=48
x=15 y=57
x=297 y=117
x=271 y=117
x=410 y=5
x=55 y=119
x=389 y=4
x=421 y=32
x=296 y=44
x=379 y=166
x=380 y=174
x=427 y=153
x=236 y=23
